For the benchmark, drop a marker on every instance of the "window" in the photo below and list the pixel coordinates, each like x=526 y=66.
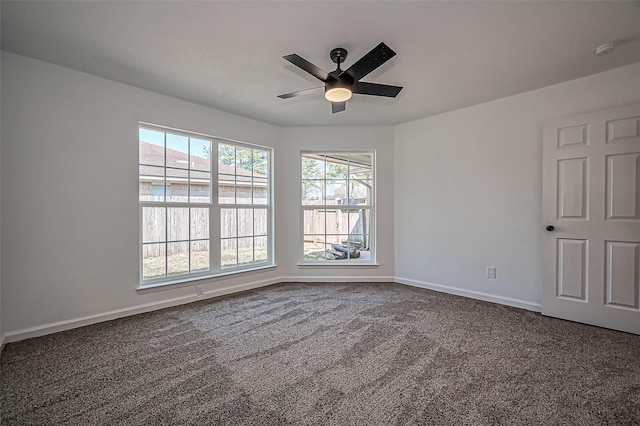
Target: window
x=243 y=193
x=338 y=208
x=187 y=182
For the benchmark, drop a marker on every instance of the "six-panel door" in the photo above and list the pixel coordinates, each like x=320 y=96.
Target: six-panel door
x=591 y=195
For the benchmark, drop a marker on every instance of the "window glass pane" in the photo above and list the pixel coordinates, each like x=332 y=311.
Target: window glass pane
x=151 y=147
x=150 y=179
x=153 y=261
x=228 y=253
x=228 y=223
x=260 y=222
x=332 y=223
x=315 y=221
x=244 y=161
x=243 y=190
x=177 y=224
x=337 y=169
x=260 y=163
x=260 y=248
x=312 y=168
x=200 y=177
x=360 y=192
x=200 y=187
x=353 y=221
x=177 y=151
x=335 y=239
x=199 y=224
x=245 y=251
x=227 y=157
x=200 y=154
x=365 y=250
x=245 y=222
x=178 y=258
x=199 y=256
x=336 y=191
x=358 y=241
x=314 y=247
x=226 y=189
x=153 y=224
x=260 y=191
x=312 y=192
x=177 y=188
x=360 y=163
x=341 y=250
x=360 y=172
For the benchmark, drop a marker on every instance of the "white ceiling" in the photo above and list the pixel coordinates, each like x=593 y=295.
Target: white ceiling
x=228 y=55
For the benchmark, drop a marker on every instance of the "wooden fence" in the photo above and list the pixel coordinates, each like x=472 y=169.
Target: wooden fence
x=238 y=226
x=350 y=225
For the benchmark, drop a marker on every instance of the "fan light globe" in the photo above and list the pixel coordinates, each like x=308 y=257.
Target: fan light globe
x=338 y=94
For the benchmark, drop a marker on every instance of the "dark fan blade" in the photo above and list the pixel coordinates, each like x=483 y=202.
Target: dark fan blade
x=338 y=106
x=369 y=62
x=376 y=89
x=307 y=66
x=302 y=92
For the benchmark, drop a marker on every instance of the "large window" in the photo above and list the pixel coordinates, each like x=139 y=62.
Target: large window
x=187 y=183
x=338 y=208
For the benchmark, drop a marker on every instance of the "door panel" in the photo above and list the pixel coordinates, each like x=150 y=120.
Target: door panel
x=623 y=186
x=572 y=188
x=622 y=274
x=572 y=269
x=624 y=130
x=574 y=136
x=591 y=195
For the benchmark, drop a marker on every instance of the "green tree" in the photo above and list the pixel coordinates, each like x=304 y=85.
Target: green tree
x=310 y=171
x=244 y=158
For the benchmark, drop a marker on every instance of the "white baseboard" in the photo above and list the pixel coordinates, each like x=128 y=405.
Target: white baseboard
x=339 y=279
x=41 y=330
x=517 y=303
x=55 y=327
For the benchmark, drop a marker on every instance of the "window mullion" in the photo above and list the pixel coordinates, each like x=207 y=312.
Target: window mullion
x=237 y=234
x=189 y=242
x=215 y=258
x=166 y=242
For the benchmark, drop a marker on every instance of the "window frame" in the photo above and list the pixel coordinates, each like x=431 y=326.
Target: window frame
x=214 y=207
x=371 y=207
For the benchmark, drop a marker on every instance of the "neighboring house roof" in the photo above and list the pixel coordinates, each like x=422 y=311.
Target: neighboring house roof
x=151 y=154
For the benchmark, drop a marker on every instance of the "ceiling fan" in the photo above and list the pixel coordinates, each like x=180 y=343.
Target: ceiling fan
x=339 y=85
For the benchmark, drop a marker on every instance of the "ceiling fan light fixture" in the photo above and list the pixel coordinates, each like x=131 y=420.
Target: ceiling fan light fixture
x=338 y=94
x=340 y=85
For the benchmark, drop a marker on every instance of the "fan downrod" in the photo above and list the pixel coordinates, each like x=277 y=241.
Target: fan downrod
x=338 y=55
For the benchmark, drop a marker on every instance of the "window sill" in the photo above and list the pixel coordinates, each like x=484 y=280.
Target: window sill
x=185 y=282
x=338 y=263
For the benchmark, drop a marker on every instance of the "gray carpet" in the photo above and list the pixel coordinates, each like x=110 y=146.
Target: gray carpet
x=326 y=354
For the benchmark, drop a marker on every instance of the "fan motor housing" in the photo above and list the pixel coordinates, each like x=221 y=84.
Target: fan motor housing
x=338 y=55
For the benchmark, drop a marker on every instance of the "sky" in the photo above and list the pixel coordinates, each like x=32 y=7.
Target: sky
x=176 y=142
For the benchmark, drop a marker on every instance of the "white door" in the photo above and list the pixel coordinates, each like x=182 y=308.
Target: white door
x=591 y=198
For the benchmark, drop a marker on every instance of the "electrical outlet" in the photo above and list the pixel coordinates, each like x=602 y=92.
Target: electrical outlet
x=199 y=291
x=491 y=272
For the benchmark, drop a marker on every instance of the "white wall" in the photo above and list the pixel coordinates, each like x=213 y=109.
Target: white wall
x=456 y=192
x=69 y=195
x=69 y=190
x=468 y=187
x=297 y=139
